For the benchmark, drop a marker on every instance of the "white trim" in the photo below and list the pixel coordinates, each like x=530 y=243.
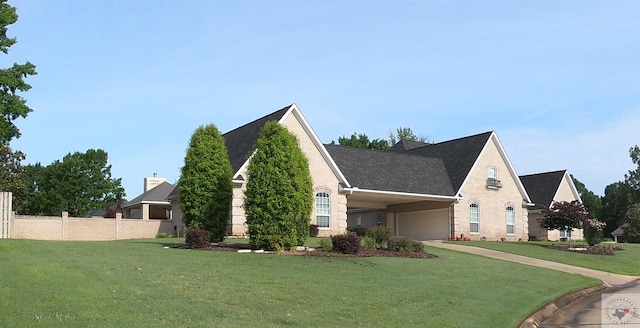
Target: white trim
x=566 y=176
x=505 y=158
x=397 y=193
x=316 y=141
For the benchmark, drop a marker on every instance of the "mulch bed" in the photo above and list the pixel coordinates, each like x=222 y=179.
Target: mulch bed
x=322 y=253
x=593 y=250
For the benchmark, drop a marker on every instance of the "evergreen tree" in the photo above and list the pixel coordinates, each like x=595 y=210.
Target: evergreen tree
x=279 y=194
x=206 y=190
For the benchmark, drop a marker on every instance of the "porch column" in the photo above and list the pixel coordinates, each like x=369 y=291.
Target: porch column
x=145 y=211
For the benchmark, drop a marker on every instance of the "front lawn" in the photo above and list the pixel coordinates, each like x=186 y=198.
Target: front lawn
x=139 y=283
x=625 y=262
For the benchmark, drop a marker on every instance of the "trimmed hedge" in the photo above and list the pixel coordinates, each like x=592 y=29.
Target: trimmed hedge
x=405 y=244
x=198 y=238
x=380 y=234
x=346 y=244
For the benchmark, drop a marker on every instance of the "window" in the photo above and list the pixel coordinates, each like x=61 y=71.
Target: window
x=474 y=218
x=565 y=233
x=511 y=220
x=323 y=210
x=492 y=172
x=492 y=178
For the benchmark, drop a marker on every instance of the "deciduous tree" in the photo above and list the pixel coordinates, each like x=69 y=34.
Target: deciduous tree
x=564 y=216
x=405 y=133
x=362 y=141
x=591 y=201
x=77 y=184
x=206 y=190
x=279 y=194
x=615 y=202
x=631 y=233
x=12 y=105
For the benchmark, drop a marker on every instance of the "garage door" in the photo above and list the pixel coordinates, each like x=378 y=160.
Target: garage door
x=424 y=225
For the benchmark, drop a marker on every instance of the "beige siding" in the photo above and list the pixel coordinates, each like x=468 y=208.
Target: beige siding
x=492 y=202
x=323 y=178
x=564 y=193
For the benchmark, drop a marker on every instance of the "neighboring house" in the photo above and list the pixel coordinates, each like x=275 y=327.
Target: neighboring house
x=618 y=233
x=152 y=204
x=463 y=187
x=544 y=189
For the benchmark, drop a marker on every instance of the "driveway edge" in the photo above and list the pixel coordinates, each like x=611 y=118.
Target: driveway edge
x=536 y=319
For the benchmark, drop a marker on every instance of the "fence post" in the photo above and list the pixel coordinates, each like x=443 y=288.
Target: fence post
x=65 y=216
x=118 y=222
x=6 y=214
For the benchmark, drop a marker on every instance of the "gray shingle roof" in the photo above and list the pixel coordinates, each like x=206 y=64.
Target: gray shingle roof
x=458 y=155
x=158 y=194
x=541 y=187
x=391 y=171
x=404 y=145
x=241 y=141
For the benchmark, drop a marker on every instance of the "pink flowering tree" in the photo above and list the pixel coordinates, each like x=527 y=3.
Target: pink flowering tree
x=593 y=231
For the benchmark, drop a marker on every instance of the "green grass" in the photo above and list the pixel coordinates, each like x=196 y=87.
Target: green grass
x=625 y=262
x=98 y=284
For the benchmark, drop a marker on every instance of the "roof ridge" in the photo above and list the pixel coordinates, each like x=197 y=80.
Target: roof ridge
x=542 y=173
x=261 y=118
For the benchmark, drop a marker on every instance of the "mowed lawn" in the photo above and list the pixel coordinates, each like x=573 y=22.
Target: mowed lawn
x=625 y=262
x=139 y=283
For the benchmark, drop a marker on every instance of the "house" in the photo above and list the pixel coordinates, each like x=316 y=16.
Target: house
x=465 y=187
x=618 y=233
x=544 y=189
x=153 y=203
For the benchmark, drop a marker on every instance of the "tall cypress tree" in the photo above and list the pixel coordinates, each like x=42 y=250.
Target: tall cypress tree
x=205 y=183
x=279 y=194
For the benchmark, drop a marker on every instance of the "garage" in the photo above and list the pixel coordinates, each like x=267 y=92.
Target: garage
x=424 y=225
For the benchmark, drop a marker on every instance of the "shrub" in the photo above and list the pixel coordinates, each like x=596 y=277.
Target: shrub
x=198 y=238
x=405 y=244
x=279 y=195
x=162 y=235
x=313 y=230
x=325 y=244
x=347 y=243
x=359 y=230
x=380 y=235
x=205 y=183
x=369 y=244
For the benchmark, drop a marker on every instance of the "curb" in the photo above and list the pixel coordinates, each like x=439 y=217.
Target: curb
x=536 y=319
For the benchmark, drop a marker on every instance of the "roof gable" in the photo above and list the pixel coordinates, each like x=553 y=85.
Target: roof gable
x=459 y=155
x=241 y=141
x=158 y=194
x=404 y=145
x=392 y=171
x=543 y=187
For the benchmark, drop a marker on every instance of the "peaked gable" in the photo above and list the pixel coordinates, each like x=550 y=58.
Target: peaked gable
x=543 y=187
x=392 y=171
x=241 y=141
x=459 y=155
x=157 y=194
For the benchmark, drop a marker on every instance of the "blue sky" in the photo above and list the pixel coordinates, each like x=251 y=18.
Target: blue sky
x=557 y=80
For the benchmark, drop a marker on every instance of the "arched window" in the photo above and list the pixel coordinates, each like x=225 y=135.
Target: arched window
x=511 y=220
x=323 y=209
x=474 y=218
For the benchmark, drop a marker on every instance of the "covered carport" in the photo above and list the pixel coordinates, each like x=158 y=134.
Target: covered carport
x=417 y=216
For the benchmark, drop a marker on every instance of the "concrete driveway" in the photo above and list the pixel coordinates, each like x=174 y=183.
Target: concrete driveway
x=580 y=309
